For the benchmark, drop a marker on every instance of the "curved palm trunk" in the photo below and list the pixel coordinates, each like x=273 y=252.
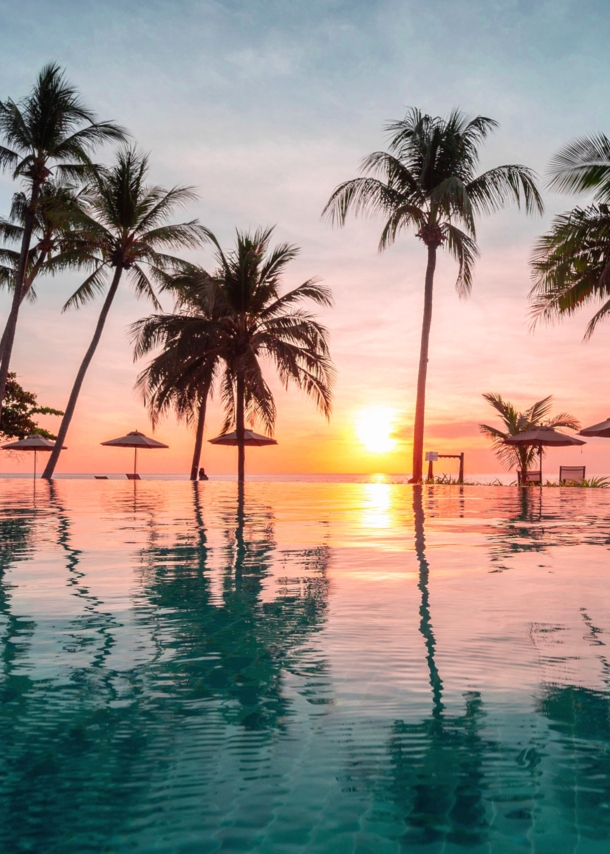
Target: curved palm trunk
x=11 y=324
x=78 y=382
x=27 y=285
x=199 y=434
x=240 y=428
x=420 y=405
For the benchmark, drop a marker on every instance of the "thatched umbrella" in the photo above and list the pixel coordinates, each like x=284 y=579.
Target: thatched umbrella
x=543 y=437
x=135 y=440
x=33 y=442
x=602 y=429
x=255 y=440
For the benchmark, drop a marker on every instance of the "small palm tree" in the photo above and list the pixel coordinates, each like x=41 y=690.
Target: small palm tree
x=49 y=131
x=516 y=422
x=571 y=263
x=56 y=214
x=181 y=376
x=428 y=183
x=124 y=229
x=256 y=321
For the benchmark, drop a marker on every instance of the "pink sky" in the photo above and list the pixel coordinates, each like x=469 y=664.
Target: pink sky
x=265 y=129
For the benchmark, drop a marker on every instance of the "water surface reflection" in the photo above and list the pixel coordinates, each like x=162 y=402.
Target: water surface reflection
x=303 y=667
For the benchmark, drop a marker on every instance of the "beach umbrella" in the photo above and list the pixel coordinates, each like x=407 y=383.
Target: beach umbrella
x=543 y=437
x=602 y=429
x=135 y=440
x=255 y=440
x=250 y=438
x=33 y=442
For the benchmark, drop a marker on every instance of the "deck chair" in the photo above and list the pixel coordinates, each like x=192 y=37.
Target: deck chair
x=133 y=477
x=571 y=474
x=100 y=476
x=530 y=477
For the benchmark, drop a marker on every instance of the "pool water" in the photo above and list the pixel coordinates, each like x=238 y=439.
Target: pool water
x=308 y=667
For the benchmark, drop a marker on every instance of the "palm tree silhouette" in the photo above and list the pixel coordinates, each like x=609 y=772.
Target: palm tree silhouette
x=429 y=184
x=49 y=132
x=516 y=422
x=253 y=320
x=571 y=262
x=56 y=214
x=181 y=376
x=124 y=228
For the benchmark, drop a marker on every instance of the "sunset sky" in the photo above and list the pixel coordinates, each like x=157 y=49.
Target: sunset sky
x=264 y=107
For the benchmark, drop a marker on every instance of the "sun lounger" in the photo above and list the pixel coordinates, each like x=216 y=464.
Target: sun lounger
x=571 y=474
x=133 y=477
x=530 y=477
x=100 y=476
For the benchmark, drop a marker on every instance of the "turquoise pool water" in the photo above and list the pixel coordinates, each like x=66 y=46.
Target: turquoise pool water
x=321 y=668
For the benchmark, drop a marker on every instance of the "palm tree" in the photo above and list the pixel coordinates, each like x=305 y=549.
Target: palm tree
x=49 y=131
x=257 y=322
x=571 y=263
x=56 y=215
x=180 y=377
x=516 y=422
x=428 y=183
x=124 y=229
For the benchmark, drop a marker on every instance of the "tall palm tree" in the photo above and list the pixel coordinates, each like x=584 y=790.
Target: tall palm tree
x=571 y=263
x=180 y=377
x=515 y=422
x=258 y=322
x=49 y=131
x=124 y=229
x=428 y=183
x=56 y=214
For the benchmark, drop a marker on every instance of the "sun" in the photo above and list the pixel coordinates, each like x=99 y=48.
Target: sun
x=374 y=428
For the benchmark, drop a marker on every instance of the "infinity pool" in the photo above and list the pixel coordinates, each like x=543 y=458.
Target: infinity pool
x=319 y=668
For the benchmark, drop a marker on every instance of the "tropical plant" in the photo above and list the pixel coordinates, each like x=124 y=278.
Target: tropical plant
x=571 y=263
x=124 y=229
x=428 y=183
x=181 y=375
x=19 y=410
x=256 y=321
x=50 y=131
x=56 y=214
x=515 y=422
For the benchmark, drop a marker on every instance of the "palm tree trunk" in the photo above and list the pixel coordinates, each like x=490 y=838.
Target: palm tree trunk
x=240 y=425
x=27 y=284
x=11 y=323
x=420 y=405
x=199 y=434
x=78 y=382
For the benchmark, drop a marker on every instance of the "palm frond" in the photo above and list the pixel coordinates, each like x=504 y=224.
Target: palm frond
x=93 y=285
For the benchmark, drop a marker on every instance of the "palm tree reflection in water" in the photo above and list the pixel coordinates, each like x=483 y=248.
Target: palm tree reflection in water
x=107 y=732
x=235 y=647
x=437 y=764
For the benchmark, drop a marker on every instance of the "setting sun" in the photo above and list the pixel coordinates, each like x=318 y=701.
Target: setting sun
x=374 y=428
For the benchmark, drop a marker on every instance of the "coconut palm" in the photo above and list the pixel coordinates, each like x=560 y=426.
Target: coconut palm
x=56 y=214
x=515 y=422
x=571 y=263
x=256 y=321
x=48 y=132
x=428 y=183
x=180 y=377
x=124 y=230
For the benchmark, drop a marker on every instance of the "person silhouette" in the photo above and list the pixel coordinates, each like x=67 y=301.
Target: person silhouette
x=202 y=474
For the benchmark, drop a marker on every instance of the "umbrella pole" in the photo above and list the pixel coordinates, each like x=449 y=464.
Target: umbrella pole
x=540 y=453
x=135 y=462
x=34 y=463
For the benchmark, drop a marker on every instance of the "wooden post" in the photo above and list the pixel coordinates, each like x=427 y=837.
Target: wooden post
x=430 y=472
x=461 y=474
